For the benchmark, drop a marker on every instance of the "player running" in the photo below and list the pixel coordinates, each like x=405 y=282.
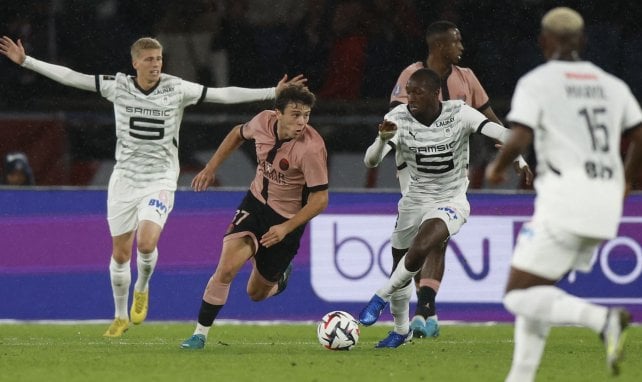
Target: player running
x=289 y=189
x=576 y=113
x=431 y=136
x=148 y=110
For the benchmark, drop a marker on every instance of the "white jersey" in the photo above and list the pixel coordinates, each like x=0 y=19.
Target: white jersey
x=436 y=155
x=578 y=113
x=147 y=126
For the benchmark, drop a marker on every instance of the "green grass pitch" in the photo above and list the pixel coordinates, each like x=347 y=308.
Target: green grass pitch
x=290 y=352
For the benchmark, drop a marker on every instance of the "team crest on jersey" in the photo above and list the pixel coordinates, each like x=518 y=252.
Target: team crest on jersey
x=284 y=165
x=448 y=132
x=165 y=100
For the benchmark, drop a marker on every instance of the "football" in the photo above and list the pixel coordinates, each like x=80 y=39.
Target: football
x=338 y=331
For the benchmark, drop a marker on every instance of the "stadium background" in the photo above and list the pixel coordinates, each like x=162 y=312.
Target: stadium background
x=56 y=240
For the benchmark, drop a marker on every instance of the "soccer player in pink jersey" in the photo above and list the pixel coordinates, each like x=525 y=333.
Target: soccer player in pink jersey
x=289 y=189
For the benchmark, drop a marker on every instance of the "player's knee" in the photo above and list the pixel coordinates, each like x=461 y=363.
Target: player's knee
x=257 y=294
x=145 y=246
x=121 y=256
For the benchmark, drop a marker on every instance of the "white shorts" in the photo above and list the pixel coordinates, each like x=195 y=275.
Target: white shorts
x=412 y=213
x=550 y=252
x=127 y=205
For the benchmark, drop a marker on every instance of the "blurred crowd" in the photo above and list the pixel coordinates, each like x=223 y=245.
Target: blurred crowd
x=349 y=49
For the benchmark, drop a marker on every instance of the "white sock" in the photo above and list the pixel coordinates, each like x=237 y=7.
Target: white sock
x=121 y=277
x=146 y=262
x=200 y=329
x=530 y=339
x=397 y=279
x=553 y=306
x=400 y=308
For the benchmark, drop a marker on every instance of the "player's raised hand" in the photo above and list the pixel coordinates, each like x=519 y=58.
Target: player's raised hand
x=296 y=80
x=203 y=179
x=387 y=130
x=15 y=52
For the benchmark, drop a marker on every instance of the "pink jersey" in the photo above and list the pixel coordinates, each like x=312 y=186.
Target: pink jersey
x=287 y=169
x=461 y=84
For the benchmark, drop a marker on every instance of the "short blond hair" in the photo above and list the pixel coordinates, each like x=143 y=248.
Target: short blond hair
x=563 y=20
x=144 y=43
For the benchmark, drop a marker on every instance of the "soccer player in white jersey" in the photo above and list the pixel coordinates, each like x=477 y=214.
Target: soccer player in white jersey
x=148 y=110
x=432 y=138
x=576 y=114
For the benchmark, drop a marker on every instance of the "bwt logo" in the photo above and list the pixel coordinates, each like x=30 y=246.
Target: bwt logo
x=349 y=263
x=158 y=204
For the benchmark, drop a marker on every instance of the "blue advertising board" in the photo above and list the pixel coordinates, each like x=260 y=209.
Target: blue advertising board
x=56 y=247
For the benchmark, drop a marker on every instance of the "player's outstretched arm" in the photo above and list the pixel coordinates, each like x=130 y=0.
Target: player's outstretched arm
x=16 y=53
x=206 y=177
x=296 y=80
x=13 y=50
x=234 y=94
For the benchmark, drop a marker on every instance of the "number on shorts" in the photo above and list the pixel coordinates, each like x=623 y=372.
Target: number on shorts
x=239 y=216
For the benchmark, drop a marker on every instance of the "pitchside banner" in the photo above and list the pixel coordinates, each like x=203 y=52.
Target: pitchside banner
x=478 y=260
x=55 y=252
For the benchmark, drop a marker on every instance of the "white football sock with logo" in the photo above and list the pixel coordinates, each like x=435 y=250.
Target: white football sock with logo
x=146 y=263
x=120 y=275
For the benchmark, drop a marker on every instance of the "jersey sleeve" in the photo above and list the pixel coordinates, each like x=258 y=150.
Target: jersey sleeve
x=525 y=108
x=315 y=167
x=258 y=123
x=106 y=86
x=479 y=96
x=473 y=120
x=238 y=95
x=193 y=93
x=61 y=74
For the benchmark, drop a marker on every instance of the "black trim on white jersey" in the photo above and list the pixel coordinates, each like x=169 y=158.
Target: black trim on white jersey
x=402 y=166
x=175 y=142
x=481 y=125
x=146 y=92
x=391 y=144
x=97 y=79
x=203 y=94
x=555 y=171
